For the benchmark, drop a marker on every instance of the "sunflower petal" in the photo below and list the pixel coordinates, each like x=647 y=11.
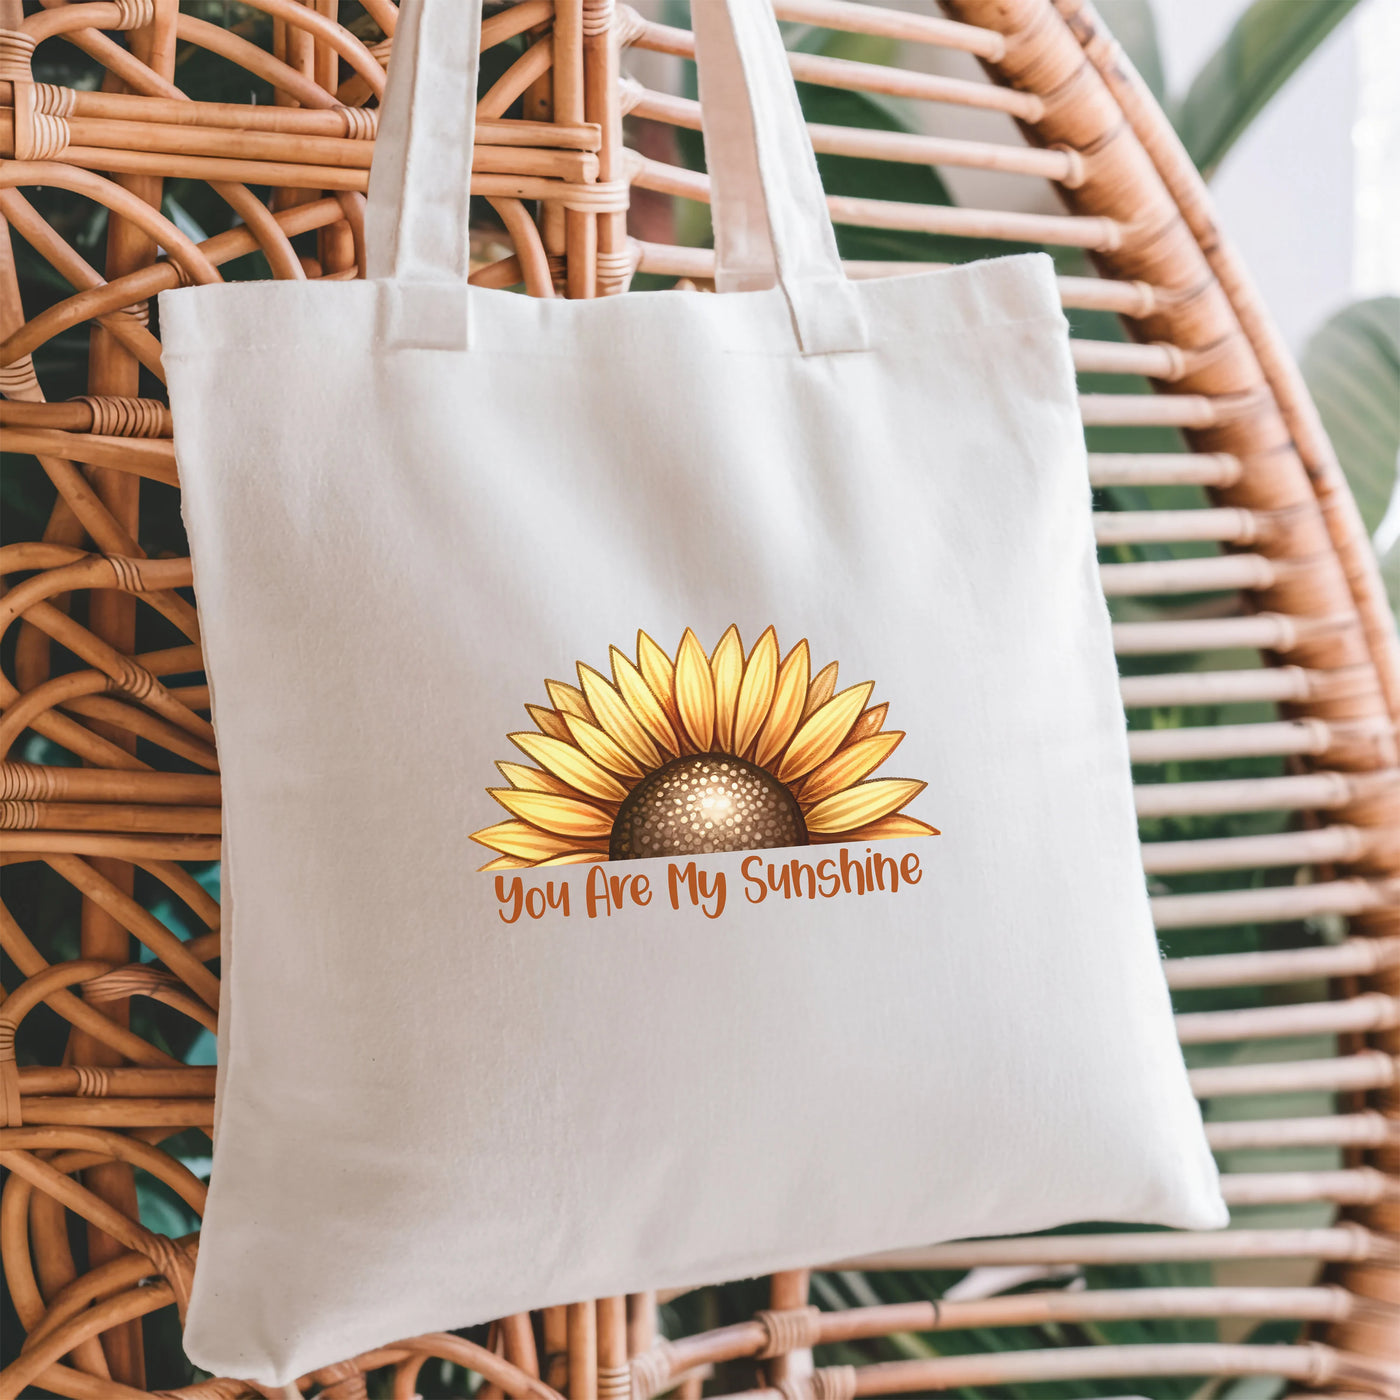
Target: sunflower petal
x=660 y=677
x=821 y=734
x=727 y=667
x=849 y=765
x=695 y=691
x=897 y=826
x=548 y=721
x=642 y=701
x=569 y=763
x=506 y=863
x=534 y=779
x=616 y=719
x=871 y=722
x=522 y=839
x=574 y=858
x=562 y=816
x=821 y=690
x=601 y=747
x=569 y=700
x=756 y=691
x=860 y=805
x=785 y=713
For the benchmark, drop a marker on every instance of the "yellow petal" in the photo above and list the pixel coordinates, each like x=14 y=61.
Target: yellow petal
x=601 y=748
x=616 y=718
x=574 y=858
x=789 y=694
x=569 y=700
x=756 y=691
x=533 y=779
x=821 y=735
x=821 y=690
x=548 y=721
x=569 y=763
x=642 y=701
x=522 y=839
x=660 y=677
x=695 y=692
x=563 y=816
x=897 y=826
x=869 y=723
x=727 y=668
x=506 y=863
x=849 y=765
x=860 y=805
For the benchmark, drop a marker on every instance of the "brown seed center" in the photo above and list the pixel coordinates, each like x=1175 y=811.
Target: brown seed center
x=704 y=803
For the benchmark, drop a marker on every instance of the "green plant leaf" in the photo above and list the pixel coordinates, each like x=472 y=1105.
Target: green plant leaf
x=1352 y=366
x=840 y=43
x=1267 y=45
x=1390 y=574
x=1254 y=1388
x=183 y=219
x=161 y=1209
x=1135 y=27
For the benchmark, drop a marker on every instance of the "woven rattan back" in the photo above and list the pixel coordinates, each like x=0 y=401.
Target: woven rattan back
x=1261 y=676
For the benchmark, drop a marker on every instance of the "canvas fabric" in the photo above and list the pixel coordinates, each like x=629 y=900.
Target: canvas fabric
x=444 y=1097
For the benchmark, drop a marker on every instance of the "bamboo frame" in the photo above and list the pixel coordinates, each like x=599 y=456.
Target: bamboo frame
x=1291 y=584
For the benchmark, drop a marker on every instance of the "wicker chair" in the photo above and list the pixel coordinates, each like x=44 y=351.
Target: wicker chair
x=1283 y=576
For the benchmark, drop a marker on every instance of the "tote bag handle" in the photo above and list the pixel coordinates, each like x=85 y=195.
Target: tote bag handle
x=767 y=205
x=770 y=218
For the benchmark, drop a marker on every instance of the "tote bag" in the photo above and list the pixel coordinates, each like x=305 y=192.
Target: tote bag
x=676 y=797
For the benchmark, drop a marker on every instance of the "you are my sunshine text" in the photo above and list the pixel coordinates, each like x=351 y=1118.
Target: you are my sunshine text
x=603 y=891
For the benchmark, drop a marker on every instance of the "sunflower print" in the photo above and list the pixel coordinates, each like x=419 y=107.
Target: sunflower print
x=696 y=755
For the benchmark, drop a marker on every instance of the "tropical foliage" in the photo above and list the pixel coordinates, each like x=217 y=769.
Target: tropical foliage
x=1352 y=366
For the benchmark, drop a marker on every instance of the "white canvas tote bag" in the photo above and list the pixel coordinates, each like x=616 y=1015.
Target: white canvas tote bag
x=677 y=806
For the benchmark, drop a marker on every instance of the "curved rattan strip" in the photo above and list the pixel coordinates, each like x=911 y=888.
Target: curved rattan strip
x=1348 y=534
x=870 y=144
x=892 y=24
x=844 y=73
x=1043 y=54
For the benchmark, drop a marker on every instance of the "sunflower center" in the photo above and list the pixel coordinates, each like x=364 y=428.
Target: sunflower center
x=703 y=803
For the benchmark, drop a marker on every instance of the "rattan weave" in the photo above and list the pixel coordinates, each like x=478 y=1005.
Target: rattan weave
x=1287 y=576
